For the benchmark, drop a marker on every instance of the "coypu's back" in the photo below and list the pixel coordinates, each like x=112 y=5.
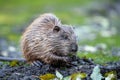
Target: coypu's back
x=47 y=40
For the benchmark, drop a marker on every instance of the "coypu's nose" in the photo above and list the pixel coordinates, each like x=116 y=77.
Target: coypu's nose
x=74 y=47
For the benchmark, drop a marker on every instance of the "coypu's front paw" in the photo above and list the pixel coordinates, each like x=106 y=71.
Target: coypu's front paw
x=67 y=60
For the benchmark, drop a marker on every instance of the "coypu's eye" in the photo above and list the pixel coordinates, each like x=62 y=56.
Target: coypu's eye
x=64 y=36
x=56 y=29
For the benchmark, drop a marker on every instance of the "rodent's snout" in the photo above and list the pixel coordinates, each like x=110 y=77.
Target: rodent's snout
x=74 y=47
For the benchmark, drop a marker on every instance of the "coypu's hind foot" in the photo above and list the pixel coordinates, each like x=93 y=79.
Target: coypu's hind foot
x=37 y=63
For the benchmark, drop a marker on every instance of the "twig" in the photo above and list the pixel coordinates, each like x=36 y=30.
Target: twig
x=11 y=59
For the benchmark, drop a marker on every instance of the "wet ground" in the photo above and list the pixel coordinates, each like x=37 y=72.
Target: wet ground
x=29 y=72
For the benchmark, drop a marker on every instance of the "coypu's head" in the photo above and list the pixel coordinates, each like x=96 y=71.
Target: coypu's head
x=61 y=38
x=65 y=38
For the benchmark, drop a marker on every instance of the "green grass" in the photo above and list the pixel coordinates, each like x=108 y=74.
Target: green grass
x=17 y=13
x=99 y=58
x=102 y=56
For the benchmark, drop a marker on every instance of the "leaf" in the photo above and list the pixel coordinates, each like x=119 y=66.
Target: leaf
x=60 y=76
x=13 y=63
x=96 y=75
x=67 y=78
x=112 y=75
x=47 y=76
x=78 y=76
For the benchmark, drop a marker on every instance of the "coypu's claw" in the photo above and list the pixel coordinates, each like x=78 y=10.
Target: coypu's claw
x=37 y=63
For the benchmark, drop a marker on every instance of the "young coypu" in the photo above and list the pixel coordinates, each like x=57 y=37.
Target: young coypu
x=48 y=40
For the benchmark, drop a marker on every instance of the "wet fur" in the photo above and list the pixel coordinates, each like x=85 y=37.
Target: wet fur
x=40 y=42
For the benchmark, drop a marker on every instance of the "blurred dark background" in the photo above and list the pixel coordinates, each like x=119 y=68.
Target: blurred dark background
x=97 y=25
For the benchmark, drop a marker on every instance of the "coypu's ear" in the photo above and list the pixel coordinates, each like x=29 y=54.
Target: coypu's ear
x=56 y=29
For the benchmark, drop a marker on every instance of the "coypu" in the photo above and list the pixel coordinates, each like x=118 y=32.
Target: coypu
x=48 y=40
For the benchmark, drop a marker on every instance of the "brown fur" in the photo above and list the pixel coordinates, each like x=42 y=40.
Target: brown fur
x=41 y=42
